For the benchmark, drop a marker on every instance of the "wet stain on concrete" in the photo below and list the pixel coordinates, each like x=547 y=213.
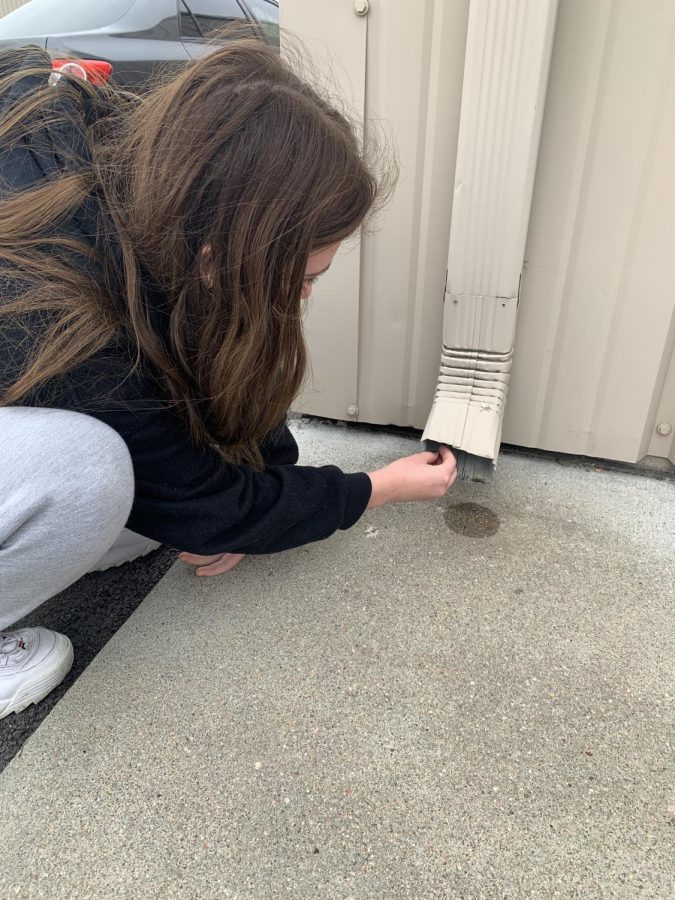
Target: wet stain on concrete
x=472 y=520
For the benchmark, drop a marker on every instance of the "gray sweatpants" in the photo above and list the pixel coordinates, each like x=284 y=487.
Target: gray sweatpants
x=66 y=489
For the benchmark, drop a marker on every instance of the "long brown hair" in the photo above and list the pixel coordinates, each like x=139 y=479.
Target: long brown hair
x=237 y=154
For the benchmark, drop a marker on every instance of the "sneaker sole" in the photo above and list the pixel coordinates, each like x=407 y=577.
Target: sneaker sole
x=50 y=679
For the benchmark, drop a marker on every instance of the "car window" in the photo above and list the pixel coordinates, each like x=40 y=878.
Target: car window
x=47 y=17
x=156 y=20
x=267 y=14
x=188 y=24
x=199 y=18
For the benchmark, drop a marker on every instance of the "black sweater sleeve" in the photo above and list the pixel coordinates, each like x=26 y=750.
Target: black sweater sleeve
x=192 y=500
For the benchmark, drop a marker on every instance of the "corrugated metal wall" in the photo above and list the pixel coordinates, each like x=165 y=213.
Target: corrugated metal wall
x=375 y=350
x=593 y=370
x=6 y=6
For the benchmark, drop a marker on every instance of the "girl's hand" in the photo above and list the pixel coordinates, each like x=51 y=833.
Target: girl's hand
x=423 y=476
x=212 y=565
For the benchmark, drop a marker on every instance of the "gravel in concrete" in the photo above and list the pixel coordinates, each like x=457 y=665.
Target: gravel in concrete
x=466 y=698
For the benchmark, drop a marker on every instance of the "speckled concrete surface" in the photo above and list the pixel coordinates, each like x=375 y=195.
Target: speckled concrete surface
x=409 y=709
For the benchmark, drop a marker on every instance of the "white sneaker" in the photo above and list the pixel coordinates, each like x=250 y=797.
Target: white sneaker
x=32 y=662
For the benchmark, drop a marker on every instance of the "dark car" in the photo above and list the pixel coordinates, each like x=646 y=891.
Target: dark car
x=139 y=38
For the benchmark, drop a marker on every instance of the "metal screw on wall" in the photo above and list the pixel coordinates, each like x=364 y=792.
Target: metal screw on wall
x=664 y=428
x=361 y=7
x=352 y=410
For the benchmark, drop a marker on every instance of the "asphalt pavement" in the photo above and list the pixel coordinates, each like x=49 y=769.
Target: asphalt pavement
x=89 y=612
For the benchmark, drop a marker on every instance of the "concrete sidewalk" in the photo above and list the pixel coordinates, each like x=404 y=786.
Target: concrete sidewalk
x=468 y=698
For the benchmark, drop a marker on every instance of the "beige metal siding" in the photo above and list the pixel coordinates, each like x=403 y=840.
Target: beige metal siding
x=592 y=370
x=413 y=83
x=7 y=6
x=405 y=260
x=337 y=43
x=663 y=435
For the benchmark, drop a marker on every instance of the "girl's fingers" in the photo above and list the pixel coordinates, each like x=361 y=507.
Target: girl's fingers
x=225 y=564
x=429 y=457
x=193 y=559
x=211 y=565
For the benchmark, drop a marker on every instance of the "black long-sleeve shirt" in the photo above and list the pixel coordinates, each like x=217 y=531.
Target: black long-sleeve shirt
x=186 y=497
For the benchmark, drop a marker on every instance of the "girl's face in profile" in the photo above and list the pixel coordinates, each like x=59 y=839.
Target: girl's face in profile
x=318 y=263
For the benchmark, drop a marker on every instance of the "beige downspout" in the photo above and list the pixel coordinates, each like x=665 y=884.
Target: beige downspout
x=505 y=74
